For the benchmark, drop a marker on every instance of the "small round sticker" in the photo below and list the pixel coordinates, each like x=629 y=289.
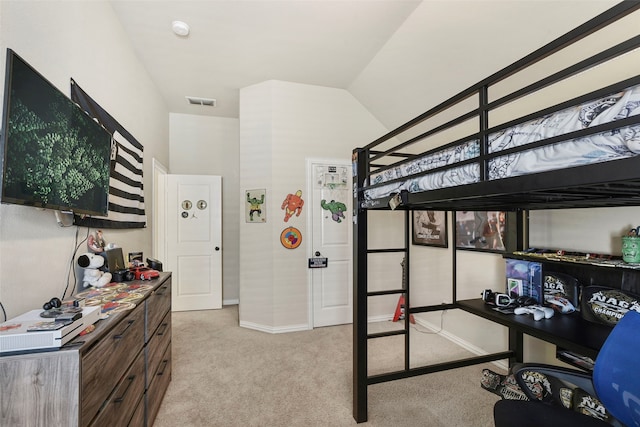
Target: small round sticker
x=290 y=237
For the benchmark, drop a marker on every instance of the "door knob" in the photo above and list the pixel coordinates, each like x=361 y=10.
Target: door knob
x=217 y=248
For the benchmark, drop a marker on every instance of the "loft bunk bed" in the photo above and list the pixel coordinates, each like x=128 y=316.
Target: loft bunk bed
x=534 y=135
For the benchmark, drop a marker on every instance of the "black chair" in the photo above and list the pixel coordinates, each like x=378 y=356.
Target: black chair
x=563 y=397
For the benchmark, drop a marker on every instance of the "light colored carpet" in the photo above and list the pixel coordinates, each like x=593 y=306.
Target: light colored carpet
x=224 y=375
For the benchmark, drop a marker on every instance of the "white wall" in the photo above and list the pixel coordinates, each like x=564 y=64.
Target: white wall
x=83 y=40
x=281 y=125
x=588 y=230
x=256 y=245
x=203 y=145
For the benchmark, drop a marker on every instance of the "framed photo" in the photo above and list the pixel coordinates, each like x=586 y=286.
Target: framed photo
x=430 y=228
x=491 y=231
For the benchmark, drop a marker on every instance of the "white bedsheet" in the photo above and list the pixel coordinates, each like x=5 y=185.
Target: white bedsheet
x=601 y=147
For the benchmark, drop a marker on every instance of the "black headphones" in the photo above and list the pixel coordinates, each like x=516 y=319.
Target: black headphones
x=52 y=303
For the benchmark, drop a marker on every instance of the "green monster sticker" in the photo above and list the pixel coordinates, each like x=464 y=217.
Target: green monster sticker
x=337 y=209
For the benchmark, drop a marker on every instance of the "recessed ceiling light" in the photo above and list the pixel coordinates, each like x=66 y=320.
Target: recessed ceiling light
x=180 y=28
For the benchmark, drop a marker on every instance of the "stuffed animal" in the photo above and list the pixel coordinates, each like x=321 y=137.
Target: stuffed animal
x=92 y=275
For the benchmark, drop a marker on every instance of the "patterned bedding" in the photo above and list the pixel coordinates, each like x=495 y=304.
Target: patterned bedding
x=601 y=147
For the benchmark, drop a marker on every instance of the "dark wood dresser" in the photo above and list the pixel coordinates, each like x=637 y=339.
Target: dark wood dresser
x=115 y=376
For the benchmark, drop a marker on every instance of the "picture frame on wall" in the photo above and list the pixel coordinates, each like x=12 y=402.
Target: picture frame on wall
x=430 y=228
x=490 y=231
x=255 y=206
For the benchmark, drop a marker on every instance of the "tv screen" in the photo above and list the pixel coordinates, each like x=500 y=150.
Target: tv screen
x=54 y=155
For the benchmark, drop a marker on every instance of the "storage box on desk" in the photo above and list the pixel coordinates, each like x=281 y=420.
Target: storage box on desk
x=524 y=278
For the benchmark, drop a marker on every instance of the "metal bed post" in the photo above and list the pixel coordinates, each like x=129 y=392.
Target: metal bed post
x=454 y=260
x=360 y=280
x=516 y=337
x=406 y=286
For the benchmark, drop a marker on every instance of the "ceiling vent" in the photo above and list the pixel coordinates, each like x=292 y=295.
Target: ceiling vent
x=207 y=102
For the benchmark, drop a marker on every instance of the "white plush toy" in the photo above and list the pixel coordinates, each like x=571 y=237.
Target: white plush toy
x=92 y=276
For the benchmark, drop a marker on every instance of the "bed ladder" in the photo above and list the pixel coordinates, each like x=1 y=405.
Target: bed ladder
x=361 y=335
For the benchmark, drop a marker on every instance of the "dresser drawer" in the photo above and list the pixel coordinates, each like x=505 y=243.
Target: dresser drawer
x=40 y=389
x=159 y=383
x=124 y=400
x=157 y=346
x=138 y=416
x=157 y=305
x=105 y=364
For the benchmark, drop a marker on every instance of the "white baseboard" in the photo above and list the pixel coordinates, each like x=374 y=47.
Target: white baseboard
x=380 y=318
x=230 y=302
x=272 y=329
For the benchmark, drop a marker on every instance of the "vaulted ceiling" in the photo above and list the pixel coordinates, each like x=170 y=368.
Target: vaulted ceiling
x=397 y=57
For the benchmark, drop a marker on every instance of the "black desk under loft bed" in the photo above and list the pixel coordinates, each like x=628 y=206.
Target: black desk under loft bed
x=570 y=332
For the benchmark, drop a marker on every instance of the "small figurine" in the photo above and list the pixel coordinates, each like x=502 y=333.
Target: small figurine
x=631 y=248
x=96 y=244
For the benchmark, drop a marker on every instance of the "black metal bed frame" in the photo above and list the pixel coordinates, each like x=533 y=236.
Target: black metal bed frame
x=608 y=184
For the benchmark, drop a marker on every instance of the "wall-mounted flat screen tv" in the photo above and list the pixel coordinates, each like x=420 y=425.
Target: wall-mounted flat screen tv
x=54 y=155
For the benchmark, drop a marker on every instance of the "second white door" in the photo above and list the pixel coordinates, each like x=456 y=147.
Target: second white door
x=194 y=241
x=332 y=296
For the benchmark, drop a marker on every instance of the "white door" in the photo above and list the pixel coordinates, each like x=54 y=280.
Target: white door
x=331 y=287
x=194 y=241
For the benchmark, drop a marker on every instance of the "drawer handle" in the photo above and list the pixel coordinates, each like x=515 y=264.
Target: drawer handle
x=164 y=366
x=124 y=394
x=160 y=292
x=120 y=335
x=162 y=329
